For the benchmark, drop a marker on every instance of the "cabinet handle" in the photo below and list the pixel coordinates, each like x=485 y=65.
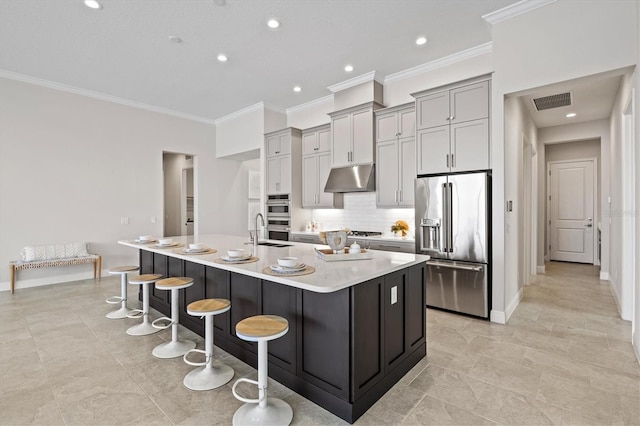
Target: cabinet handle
x=396 y=194
x=400 y=195
x=453 y=161
x=447 y=160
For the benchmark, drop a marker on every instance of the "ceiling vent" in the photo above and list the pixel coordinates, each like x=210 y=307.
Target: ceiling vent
x=553 y=101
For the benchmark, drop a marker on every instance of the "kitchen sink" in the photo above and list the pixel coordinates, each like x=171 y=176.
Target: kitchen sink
x=265 y=243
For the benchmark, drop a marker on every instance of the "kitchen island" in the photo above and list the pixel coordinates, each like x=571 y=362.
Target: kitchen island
x=355 y=327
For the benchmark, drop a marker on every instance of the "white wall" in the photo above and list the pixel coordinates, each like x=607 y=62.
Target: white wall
x=579 y=39
x=72 y=166
x=636 y=303
x=311 y=114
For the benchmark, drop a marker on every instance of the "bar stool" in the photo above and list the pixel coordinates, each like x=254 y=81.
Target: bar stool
x=207 y=376
x=261 y=411
x=145 y=327
x=114 y=300
x=175 y=347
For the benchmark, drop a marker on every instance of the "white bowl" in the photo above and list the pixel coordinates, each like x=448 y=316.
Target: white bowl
x=165 y=241
x=235 y=252
x=196 y=246
x=288 y=262
x=145 y=237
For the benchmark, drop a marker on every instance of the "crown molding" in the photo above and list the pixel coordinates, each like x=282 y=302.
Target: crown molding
x=463 y=55
x=274 y=108
x=239 y=113
x=514 y=10
x=318 y=101
x=370 y=76
x=100 y=96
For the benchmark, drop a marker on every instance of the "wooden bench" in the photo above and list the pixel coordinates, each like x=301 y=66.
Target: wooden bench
x=63 y=261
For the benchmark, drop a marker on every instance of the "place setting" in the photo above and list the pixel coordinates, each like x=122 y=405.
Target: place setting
x=145 y=239
x=237 y=256
x=289 y=266
x=196 y=249
x=165 y=243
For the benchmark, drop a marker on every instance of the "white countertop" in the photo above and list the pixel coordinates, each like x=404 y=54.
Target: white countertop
x=328 y=277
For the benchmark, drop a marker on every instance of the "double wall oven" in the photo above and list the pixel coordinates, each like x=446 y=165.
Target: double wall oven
x=278 y=217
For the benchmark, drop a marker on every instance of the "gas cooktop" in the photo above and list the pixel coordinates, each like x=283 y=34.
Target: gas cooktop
x=365 y=234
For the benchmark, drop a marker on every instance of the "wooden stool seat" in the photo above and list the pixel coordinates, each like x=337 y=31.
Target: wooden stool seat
x=208 y=307
x=174 y=283
x=146 y=278
x=262 y=327
x=122 y=269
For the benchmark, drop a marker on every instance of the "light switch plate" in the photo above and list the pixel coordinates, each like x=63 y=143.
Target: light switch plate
x=394 y=294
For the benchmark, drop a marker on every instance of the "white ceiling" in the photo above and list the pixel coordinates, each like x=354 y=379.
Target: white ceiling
x=123 y=49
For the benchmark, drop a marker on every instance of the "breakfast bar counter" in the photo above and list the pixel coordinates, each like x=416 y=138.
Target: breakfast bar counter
x=355 y=327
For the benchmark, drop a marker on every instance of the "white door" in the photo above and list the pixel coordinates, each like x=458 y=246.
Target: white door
x=571 y=211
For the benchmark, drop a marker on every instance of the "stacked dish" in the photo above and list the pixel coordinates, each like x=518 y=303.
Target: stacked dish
x=236 y=255
x=287 y=265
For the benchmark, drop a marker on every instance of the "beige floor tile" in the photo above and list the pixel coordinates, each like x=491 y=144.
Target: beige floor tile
x=432 y=411
x=32 y=406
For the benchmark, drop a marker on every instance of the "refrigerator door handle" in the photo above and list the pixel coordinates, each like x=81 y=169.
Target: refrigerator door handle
x=452 y=266
x=445 y=218
x=450 y=216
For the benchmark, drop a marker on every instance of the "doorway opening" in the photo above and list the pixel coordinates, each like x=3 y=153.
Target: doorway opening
x=179 y=194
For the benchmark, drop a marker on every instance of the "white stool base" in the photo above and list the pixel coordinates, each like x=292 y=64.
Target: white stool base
x=203 y=378
x=119 y=314
x=173 y=349
x=277 y=412
x=142 y=329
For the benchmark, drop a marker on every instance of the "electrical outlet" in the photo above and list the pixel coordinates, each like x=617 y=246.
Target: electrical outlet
x=154 y=219
x=394 y=295
x=124 y=220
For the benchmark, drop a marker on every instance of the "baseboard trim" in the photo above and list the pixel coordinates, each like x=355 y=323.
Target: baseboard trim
x=604 y=276
x=497 y=317
x=636 y=350
x=58 y=279
x=513 y=304
x=541 y=269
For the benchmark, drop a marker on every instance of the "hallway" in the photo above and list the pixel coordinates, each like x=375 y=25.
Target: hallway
x=563 y=358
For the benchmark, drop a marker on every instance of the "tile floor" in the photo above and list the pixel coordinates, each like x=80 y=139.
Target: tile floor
x=564 y=358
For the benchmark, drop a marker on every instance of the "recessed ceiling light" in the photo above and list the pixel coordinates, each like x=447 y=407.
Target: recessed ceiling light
x=421 y=40
x=175 y=39
x=273 y=23
x=93 y=4
x=571 y=115
x=222 y=57
x=297 y=89
x=348 y=68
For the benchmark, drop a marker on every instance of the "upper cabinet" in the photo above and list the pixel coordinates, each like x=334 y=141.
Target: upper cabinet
x=352 y=131
x=280 y=162
x=316 y=165
x=453 y=129
x=395 y=154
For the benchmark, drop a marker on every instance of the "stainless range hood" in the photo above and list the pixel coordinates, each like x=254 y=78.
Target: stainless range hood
x=360 y=178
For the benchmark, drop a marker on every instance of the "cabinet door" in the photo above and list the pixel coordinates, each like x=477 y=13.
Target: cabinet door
x=324 y=140
x=470 y=146
x=386 y=126
x=407 y=123
x=284 y=142
x=309 y=180
x=285 y=174
x=407 y=161
x=273 y=175
x=341 y=140
x=309 y=143
x=273 y=145
x=387 y=174
x=470 y=102
x=432 y=110
x=325 y=199
x=362 y=122
x=433 y=150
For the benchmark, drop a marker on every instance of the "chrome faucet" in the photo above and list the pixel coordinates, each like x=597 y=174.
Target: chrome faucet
x=255 y=237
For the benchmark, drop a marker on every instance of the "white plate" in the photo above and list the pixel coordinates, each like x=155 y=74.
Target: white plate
x=236 y=259
x=283 y=269
x=145 y=241
x=167 y=245
x=198 y=250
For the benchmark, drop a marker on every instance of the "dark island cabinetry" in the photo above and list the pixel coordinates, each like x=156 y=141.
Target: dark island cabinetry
x=344 y=349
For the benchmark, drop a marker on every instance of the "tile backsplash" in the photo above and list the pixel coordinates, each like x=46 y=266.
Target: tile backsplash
x=360 y=213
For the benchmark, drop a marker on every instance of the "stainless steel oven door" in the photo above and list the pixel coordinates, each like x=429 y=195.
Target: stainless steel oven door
x=278 y=232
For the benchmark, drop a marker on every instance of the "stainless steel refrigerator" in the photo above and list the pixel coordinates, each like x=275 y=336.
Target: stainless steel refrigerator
x=453 y=227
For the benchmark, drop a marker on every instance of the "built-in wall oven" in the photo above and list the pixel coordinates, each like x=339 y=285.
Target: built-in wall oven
x=278 y=217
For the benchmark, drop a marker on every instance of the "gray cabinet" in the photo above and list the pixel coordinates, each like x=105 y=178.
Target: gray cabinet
x=316 y=165
x=352 y=131
x=279 y=160
x=453 y=129
x=395 y=153
x=404 y=246
x=305 y=238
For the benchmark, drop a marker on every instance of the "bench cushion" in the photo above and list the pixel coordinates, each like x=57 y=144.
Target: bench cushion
x=54 y=251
